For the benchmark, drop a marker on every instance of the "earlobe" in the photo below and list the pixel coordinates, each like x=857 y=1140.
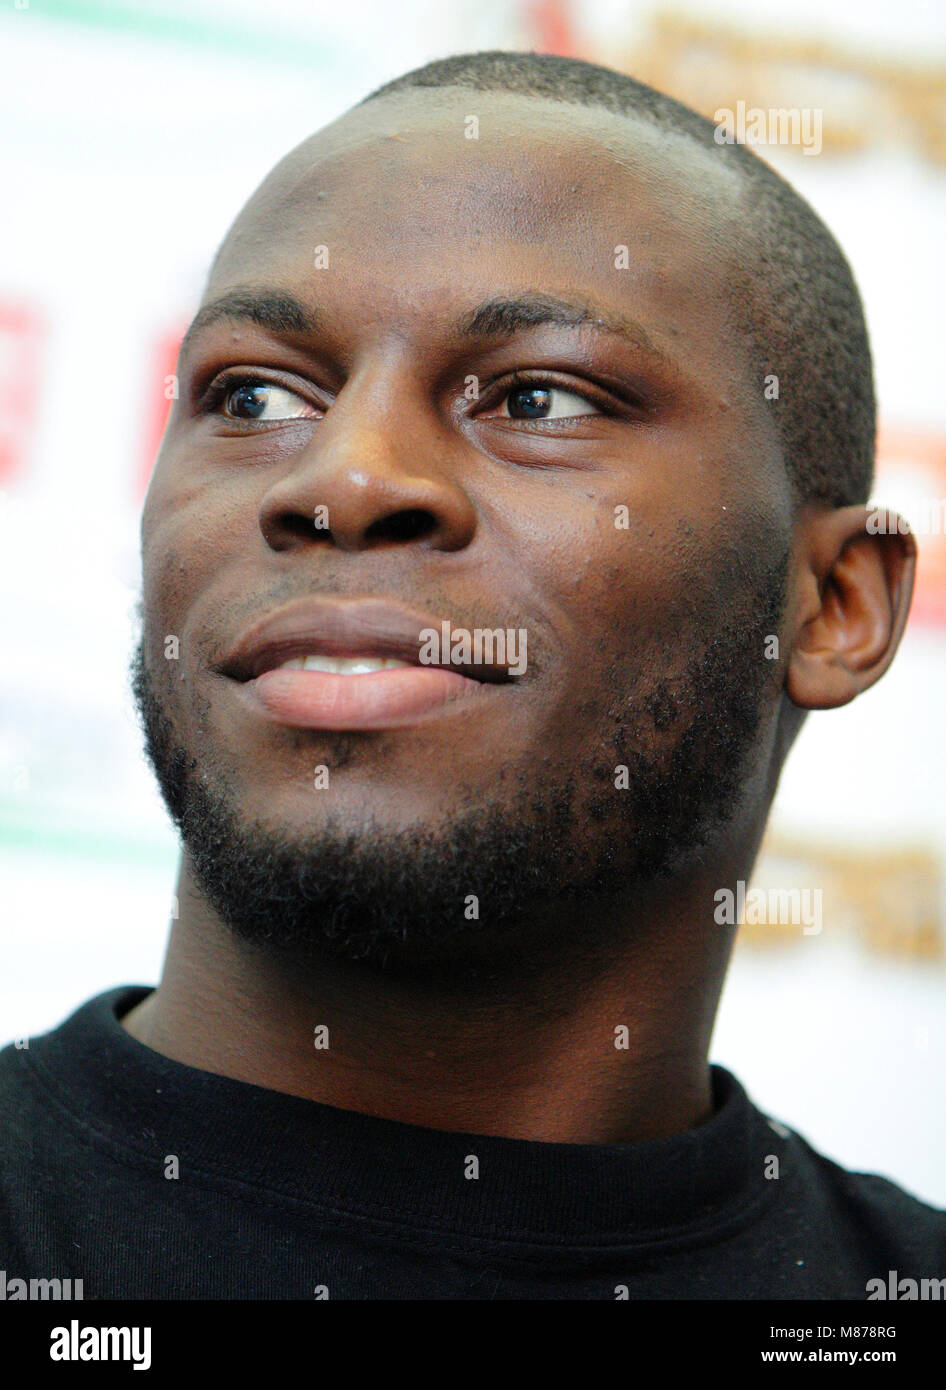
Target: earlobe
x=853 y=592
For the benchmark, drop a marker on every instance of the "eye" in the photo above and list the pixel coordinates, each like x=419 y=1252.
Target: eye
x=253 y=399
x=538 y=402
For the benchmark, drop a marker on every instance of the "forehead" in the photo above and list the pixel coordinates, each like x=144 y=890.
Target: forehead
x=456 y=187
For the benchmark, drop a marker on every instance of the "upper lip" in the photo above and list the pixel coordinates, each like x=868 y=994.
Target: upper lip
x=333 y=627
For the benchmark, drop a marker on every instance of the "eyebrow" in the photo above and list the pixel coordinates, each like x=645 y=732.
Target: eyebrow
x=276 y=310
x=283 y=314
x=498 y=317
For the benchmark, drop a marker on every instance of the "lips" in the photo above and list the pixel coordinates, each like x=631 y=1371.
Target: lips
x=370 y=629
x=341 y=628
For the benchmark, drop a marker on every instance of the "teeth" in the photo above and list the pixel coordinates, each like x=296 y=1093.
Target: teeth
x=342 y=665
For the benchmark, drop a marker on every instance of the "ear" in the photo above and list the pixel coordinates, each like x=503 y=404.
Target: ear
x=854 y=581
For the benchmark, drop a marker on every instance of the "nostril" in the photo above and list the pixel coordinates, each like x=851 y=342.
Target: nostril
x=406 y=525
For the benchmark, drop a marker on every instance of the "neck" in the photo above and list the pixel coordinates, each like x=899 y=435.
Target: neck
x=605 y=1055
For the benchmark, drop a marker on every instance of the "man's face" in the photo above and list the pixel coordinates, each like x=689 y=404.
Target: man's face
x=610 y=488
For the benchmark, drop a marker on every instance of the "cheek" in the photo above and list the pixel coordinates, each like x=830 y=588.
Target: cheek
x=191 y=534
x=626 y=578
x=642 y=597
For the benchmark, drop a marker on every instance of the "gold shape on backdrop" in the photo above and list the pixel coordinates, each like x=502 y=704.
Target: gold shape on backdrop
x=867 y=99
x=891 y=900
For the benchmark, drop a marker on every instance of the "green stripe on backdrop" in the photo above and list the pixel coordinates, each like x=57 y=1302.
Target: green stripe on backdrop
x=221 y=33
x=65 y=839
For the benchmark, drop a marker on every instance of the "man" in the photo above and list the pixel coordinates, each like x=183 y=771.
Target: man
x=509 y=522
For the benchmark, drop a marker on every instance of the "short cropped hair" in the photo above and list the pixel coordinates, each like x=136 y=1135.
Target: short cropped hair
x=795 y=299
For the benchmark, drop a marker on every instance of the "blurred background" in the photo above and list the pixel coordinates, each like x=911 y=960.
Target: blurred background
x=133 y=132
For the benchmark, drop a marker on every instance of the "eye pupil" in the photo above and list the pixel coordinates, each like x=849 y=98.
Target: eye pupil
x=247 y=400
x=529 y=402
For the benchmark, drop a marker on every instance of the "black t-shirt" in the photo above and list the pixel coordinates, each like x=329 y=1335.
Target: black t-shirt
x=146 y=1178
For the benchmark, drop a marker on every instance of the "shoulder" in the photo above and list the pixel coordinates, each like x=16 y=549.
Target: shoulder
x=870 y=1212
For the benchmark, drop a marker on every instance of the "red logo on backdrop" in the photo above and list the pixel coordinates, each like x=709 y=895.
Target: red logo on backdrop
x=21 y=338
x=552 y=28
x=162 y=387
x=912 y=465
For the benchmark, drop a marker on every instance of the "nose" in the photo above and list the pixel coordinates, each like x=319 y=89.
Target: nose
x=376 y=471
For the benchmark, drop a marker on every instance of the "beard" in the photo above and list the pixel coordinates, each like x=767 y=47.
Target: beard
x=505 y=889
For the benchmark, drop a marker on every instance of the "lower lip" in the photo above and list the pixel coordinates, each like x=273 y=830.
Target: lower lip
x=374 y=700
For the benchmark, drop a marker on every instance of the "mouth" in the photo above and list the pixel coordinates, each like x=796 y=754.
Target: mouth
x=328 y=664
